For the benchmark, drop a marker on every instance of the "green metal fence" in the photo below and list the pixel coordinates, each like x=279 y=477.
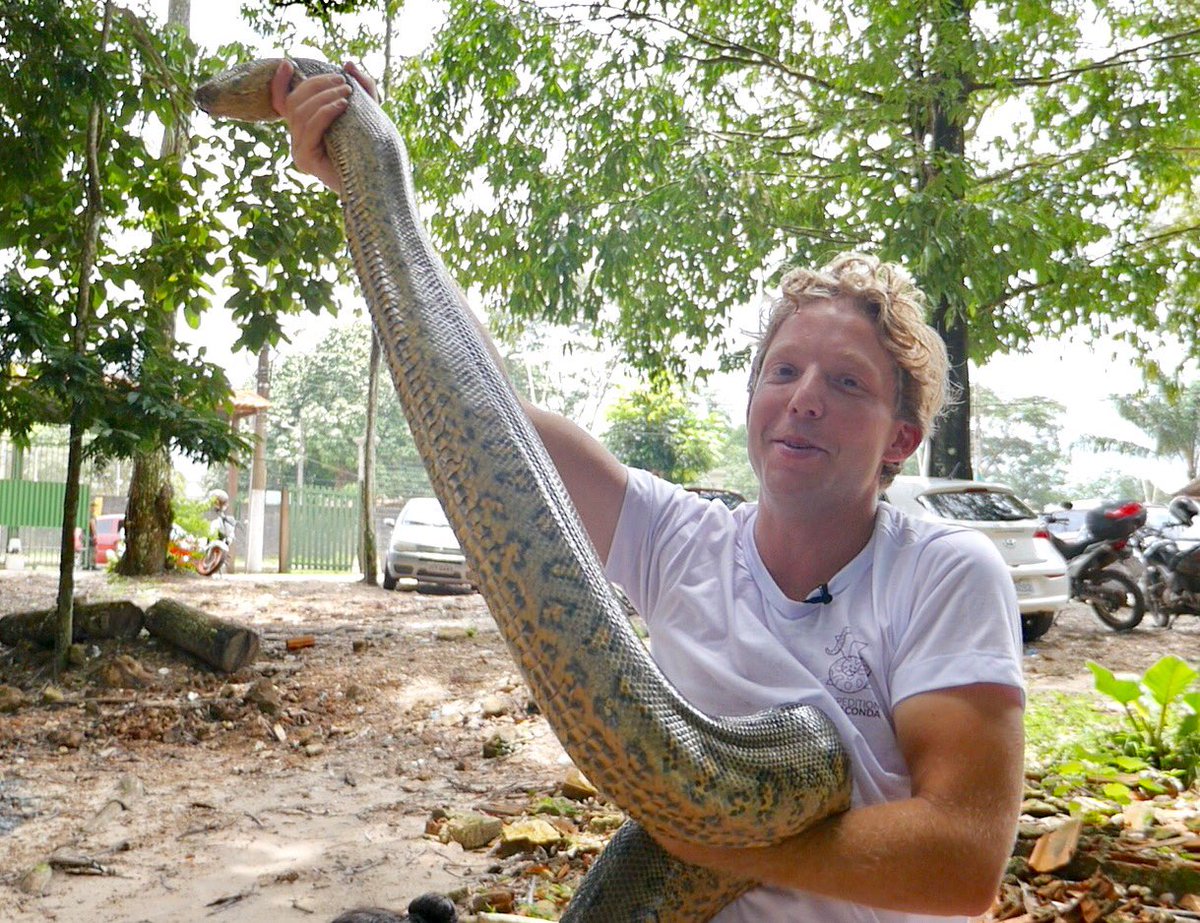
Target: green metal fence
x=33 y=511
x=323 y=530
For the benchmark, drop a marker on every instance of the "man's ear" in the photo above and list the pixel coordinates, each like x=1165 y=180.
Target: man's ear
x=908 y=437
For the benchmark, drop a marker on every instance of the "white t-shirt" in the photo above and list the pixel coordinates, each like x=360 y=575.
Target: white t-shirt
x=923 y=606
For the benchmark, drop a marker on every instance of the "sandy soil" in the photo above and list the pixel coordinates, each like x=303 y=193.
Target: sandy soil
x=199 y=797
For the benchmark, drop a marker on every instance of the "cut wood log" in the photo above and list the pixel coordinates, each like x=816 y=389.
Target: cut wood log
x=119 y=619
x=220 y=643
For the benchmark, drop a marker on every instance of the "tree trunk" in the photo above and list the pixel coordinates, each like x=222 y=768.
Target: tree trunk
x=367 y=552
x=120 y=619
x=65 y=629
x=148 y=515
x=93 y=213
x=950 y=446
x=148 y=512
x=256 y=519
x=225 y=645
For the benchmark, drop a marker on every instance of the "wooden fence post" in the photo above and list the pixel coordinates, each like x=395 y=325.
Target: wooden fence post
x=285 y=536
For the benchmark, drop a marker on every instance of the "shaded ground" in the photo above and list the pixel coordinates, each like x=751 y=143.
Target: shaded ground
x=315 y=780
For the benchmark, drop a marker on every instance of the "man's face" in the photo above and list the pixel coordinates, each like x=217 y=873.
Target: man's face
x=822 y=419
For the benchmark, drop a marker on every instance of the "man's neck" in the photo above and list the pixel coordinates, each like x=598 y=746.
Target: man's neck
x=804 y=548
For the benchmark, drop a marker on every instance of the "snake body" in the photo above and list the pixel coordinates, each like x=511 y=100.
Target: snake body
x=744 y=781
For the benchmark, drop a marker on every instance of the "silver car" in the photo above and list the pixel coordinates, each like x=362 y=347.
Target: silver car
x=424 y=549
x=1039 y=572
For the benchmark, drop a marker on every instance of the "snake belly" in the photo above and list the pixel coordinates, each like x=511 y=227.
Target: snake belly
x=732 y=781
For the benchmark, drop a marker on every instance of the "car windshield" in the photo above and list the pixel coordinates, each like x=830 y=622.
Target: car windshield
x=977 y=505
x=424 y=513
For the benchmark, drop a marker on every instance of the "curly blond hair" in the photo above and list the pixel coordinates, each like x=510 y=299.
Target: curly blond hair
x=885 y=293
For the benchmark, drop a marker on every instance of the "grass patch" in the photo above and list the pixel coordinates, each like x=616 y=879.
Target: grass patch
x=1060 y=725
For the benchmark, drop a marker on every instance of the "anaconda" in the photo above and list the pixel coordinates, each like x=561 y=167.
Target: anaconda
x=743 y=781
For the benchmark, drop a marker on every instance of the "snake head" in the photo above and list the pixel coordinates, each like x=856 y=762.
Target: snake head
x=242 y=93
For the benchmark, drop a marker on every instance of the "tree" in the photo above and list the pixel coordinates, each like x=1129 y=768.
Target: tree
x=732 y=469
x=657 y=430
x=1016 y=442
x=1170 y=417
x=75 y=346
x=647 y=165
x=1111 y=485
x=319 y=406
x=148 y=511
x=565 y=370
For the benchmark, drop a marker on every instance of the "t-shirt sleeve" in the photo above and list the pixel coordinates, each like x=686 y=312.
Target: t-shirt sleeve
x=964 y=625
x=652 y=529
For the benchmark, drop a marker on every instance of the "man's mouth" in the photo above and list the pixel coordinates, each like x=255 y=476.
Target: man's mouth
x=798 y=444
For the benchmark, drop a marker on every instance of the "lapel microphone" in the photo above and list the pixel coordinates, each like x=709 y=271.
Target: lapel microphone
x=821 y=595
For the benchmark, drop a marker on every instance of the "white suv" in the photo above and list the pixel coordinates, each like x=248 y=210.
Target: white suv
x=1038 y=571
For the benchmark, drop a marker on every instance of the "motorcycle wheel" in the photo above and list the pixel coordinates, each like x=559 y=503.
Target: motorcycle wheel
x=212 y=561
x=1151 y=587
x=1116 y=600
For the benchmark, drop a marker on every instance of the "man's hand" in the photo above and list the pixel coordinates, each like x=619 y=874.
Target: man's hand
x=942 y=851
x=310 y=109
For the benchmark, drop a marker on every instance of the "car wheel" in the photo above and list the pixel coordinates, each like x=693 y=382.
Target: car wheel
x=1115 y=599
x=389 y=582
x=1035 y=624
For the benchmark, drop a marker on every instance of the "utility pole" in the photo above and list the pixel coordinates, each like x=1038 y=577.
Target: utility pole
x=258 y=471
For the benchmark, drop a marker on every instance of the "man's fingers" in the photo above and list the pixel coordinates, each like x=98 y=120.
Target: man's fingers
x=279 y=86
x=313 y=116
x=365 y=80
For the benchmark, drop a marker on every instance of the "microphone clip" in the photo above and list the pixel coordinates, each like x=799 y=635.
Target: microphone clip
x=821 y=595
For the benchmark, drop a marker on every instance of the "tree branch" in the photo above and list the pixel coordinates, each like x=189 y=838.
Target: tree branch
x=1131 y=247
x=732 y=51
x=1122 y=58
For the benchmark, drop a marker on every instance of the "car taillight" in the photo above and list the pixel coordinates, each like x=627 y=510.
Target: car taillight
x=1123 y=512
x=1041 y=533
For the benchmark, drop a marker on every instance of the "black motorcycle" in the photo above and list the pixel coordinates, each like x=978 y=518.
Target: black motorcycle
x=1094 y=563
x=1171 y=578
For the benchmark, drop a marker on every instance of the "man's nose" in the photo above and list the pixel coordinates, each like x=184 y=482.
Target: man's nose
x=808 y=395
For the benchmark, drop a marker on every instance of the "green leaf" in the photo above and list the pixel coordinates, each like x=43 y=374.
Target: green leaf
x=1122 y=690
x=1168 y=679
x=1118 y=792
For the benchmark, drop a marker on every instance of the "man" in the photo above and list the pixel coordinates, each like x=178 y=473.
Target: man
x=904 y=632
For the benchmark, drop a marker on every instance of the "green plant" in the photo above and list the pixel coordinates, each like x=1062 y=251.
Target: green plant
x=1060 y=726
x=1162 y=716
x=191 y=515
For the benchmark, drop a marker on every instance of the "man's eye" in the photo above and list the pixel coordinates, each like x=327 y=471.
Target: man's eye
x=849 y=381
x=782 y=372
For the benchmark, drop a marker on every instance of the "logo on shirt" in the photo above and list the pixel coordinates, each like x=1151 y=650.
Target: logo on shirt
x=849 y=673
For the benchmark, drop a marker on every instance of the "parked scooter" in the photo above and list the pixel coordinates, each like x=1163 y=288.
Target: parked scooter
x=1091 y=560
x=222 y=530
x=1171 y=579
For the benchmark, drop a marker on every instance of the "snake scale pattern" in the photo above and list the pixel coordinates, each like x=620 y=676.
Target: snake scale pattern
x=745 y=781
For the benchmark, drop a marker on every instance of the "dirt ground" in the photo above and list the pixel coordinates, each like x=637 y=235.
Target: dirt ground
x=304 y=784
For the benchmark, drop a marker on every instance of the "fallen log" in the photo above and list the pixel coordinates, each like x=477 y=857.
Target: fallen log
x=220 y=643
x=119 y=619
